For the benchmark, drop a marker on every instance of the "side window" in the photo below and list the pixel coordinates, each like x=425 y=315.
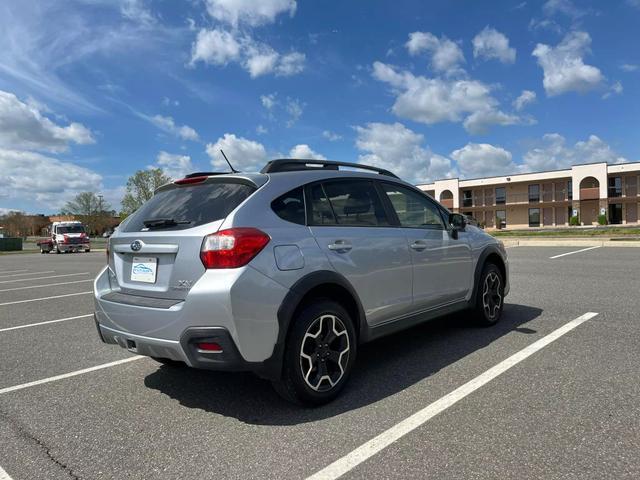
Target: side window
x=321 y=212
x=356 y=202
x=413 y=209
x=290 y=206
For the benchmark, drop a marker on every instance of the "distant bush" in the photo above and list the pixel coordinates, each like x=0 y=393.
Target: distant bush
x=602 y=219
x=574 y=221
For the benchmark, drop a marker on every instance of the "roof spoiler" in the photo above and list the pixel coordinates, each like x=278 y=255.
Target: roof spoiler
x=295 y=165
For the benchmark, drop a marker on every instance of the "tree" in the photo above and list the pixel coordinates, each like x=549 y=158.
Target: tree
x=90 y=209
x=140 y=188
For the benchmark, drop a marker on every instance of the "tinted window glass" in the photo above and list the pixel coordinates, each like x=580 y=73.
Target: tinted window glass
x=413 y=209
x=321 y=212
x=501 y=195
x=290 y=206
x=356 y=202
x=534 y=217
x=190 y=206
x=70 y=229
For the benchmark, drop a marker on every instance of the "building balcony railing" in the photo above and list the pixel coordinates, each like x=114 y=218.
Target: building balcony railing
x=515 y=199
x=592 y=193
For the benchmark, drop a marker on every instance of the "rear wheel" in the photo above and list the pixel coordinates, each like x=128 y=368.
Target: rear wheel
x=490 y=296
x=319 y=355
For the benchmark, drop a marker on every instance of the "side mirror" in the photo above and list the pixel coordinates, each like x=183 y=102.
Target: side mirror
x=458 y=223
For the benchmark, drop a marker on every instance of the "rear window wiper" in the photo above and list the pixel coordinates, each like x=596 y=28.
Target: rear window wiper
x=164 y=222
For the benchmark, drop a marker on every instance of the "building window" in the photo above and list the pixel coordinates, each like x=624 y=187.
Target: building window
x=501 y=196
x=501 y=218
x=569 y=190
x=615 y=187
x=534 y=193
x=534 y=217
x=467 y=198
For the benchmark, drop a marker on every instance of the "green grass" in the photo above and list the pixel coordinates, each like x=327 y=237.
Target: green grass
x=571 y=232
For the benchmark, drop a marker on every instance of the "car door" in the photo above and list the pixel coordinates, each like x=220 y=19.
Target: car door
x=441 y=263
x=350 y=224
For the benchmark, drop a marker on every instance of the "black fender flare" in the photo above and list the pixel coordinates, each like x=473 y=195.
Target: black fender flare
x=292 y=301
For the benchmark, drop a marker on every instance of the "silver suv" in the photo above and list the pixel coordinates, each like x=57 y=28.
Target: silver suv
x=287 y=271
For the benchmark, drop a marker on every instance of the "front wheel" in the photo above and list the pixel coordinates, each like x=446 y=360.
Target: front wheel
x=490 y=296
x=319 y=354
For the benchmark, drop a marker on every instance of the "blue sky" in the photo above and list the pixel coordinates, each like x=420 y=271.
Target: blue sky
x=92 y=90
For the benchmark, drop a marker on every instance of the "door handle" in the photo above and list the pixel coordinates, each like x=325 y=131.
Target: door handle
x=340 y=246
x=418 y=245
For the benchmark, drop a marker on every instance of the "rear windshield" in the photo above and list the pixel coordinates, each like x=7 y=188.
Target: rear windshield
x=70 y=229
x=189 y=206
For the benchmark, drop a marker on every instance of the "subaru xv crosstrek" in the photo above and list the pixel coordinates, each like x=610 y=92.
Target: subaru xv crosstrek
x=287 y=272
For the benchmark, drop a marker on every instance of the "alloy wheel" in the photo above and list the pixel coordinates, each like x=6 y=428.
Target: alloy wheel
x=491 y=296
x=324 y=353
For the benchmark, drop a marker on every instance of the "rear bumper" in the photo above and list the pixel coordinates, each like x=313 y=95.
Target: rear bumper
x=237 y=310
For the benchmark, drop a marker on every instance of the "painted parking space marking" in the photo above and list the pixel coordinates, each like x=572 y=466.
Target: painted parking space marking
x=30 y=273
x=46 y=285
x=44 y=278
x=45 y=323
x=575 y=251
x=406 y=426
x=68 y=375
x=44 y=298
x=13 y=271
x=4 y=475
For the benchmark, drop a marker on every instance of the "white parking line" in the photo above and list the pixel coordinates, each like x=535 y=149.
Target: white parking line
x=46 y=285
x=575 y=251
x=43 y=278
x=69 y=375
x=386 y=438
x=4 y=475
x=13 y=271
x=45 y=323
x=30 y=273
x=44 y=298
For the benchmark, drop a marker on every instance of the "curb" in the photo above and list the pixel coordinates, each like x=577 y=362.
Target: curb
x=570 y=242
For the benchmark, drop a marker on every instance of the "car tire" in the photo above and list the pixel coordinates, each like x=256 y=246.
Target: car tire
x=87 y=250
x=489 y=296
x=57 y=250
x=314 y=373
x=169 y=362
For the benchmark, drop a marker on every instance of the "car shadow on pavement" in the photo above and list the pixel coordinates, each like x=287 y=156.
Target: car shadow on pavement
x=384 y=367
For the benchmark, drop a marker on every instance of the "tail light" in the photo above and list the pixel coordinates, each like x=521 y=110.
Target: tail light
x=232 y=248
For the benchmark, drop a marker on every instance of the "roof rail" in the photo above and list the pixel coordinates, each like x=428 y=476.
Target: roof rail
x=294 y=165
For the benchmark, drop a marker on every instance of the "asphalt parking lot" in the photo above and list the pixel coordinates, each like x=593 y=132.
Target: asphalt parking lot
x=570 y=409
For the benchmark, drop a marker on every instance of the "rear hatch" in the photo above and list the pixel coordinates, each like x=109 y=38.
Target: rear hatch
x=156 y=251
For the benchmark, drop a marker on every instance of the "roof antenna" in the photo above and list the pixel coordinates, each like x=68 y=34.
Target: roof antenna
x=233 y=170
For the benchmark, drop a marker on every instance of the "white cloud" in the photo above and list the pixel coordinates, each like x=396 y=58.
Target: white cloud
x=563 y=65
x=47 y=180
x=629 y=67
x=434 y=100
x=614 y=89
x=446 y=55
x=168 y=125
x=268 y=101
x=331 y=136
x=137 y=11
x=491 y=44
x=553 y=153
x=216 y=47
x=23 y=126
x=399 y=149
x=566 y=7
x=261 y=130
x=481 y=121
x=245 y=155
x=524 y=99
x=173 y=165
x=482 y=159
x=220 y=47
x=304 y=152
x=294 y=108
x=250 y=12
